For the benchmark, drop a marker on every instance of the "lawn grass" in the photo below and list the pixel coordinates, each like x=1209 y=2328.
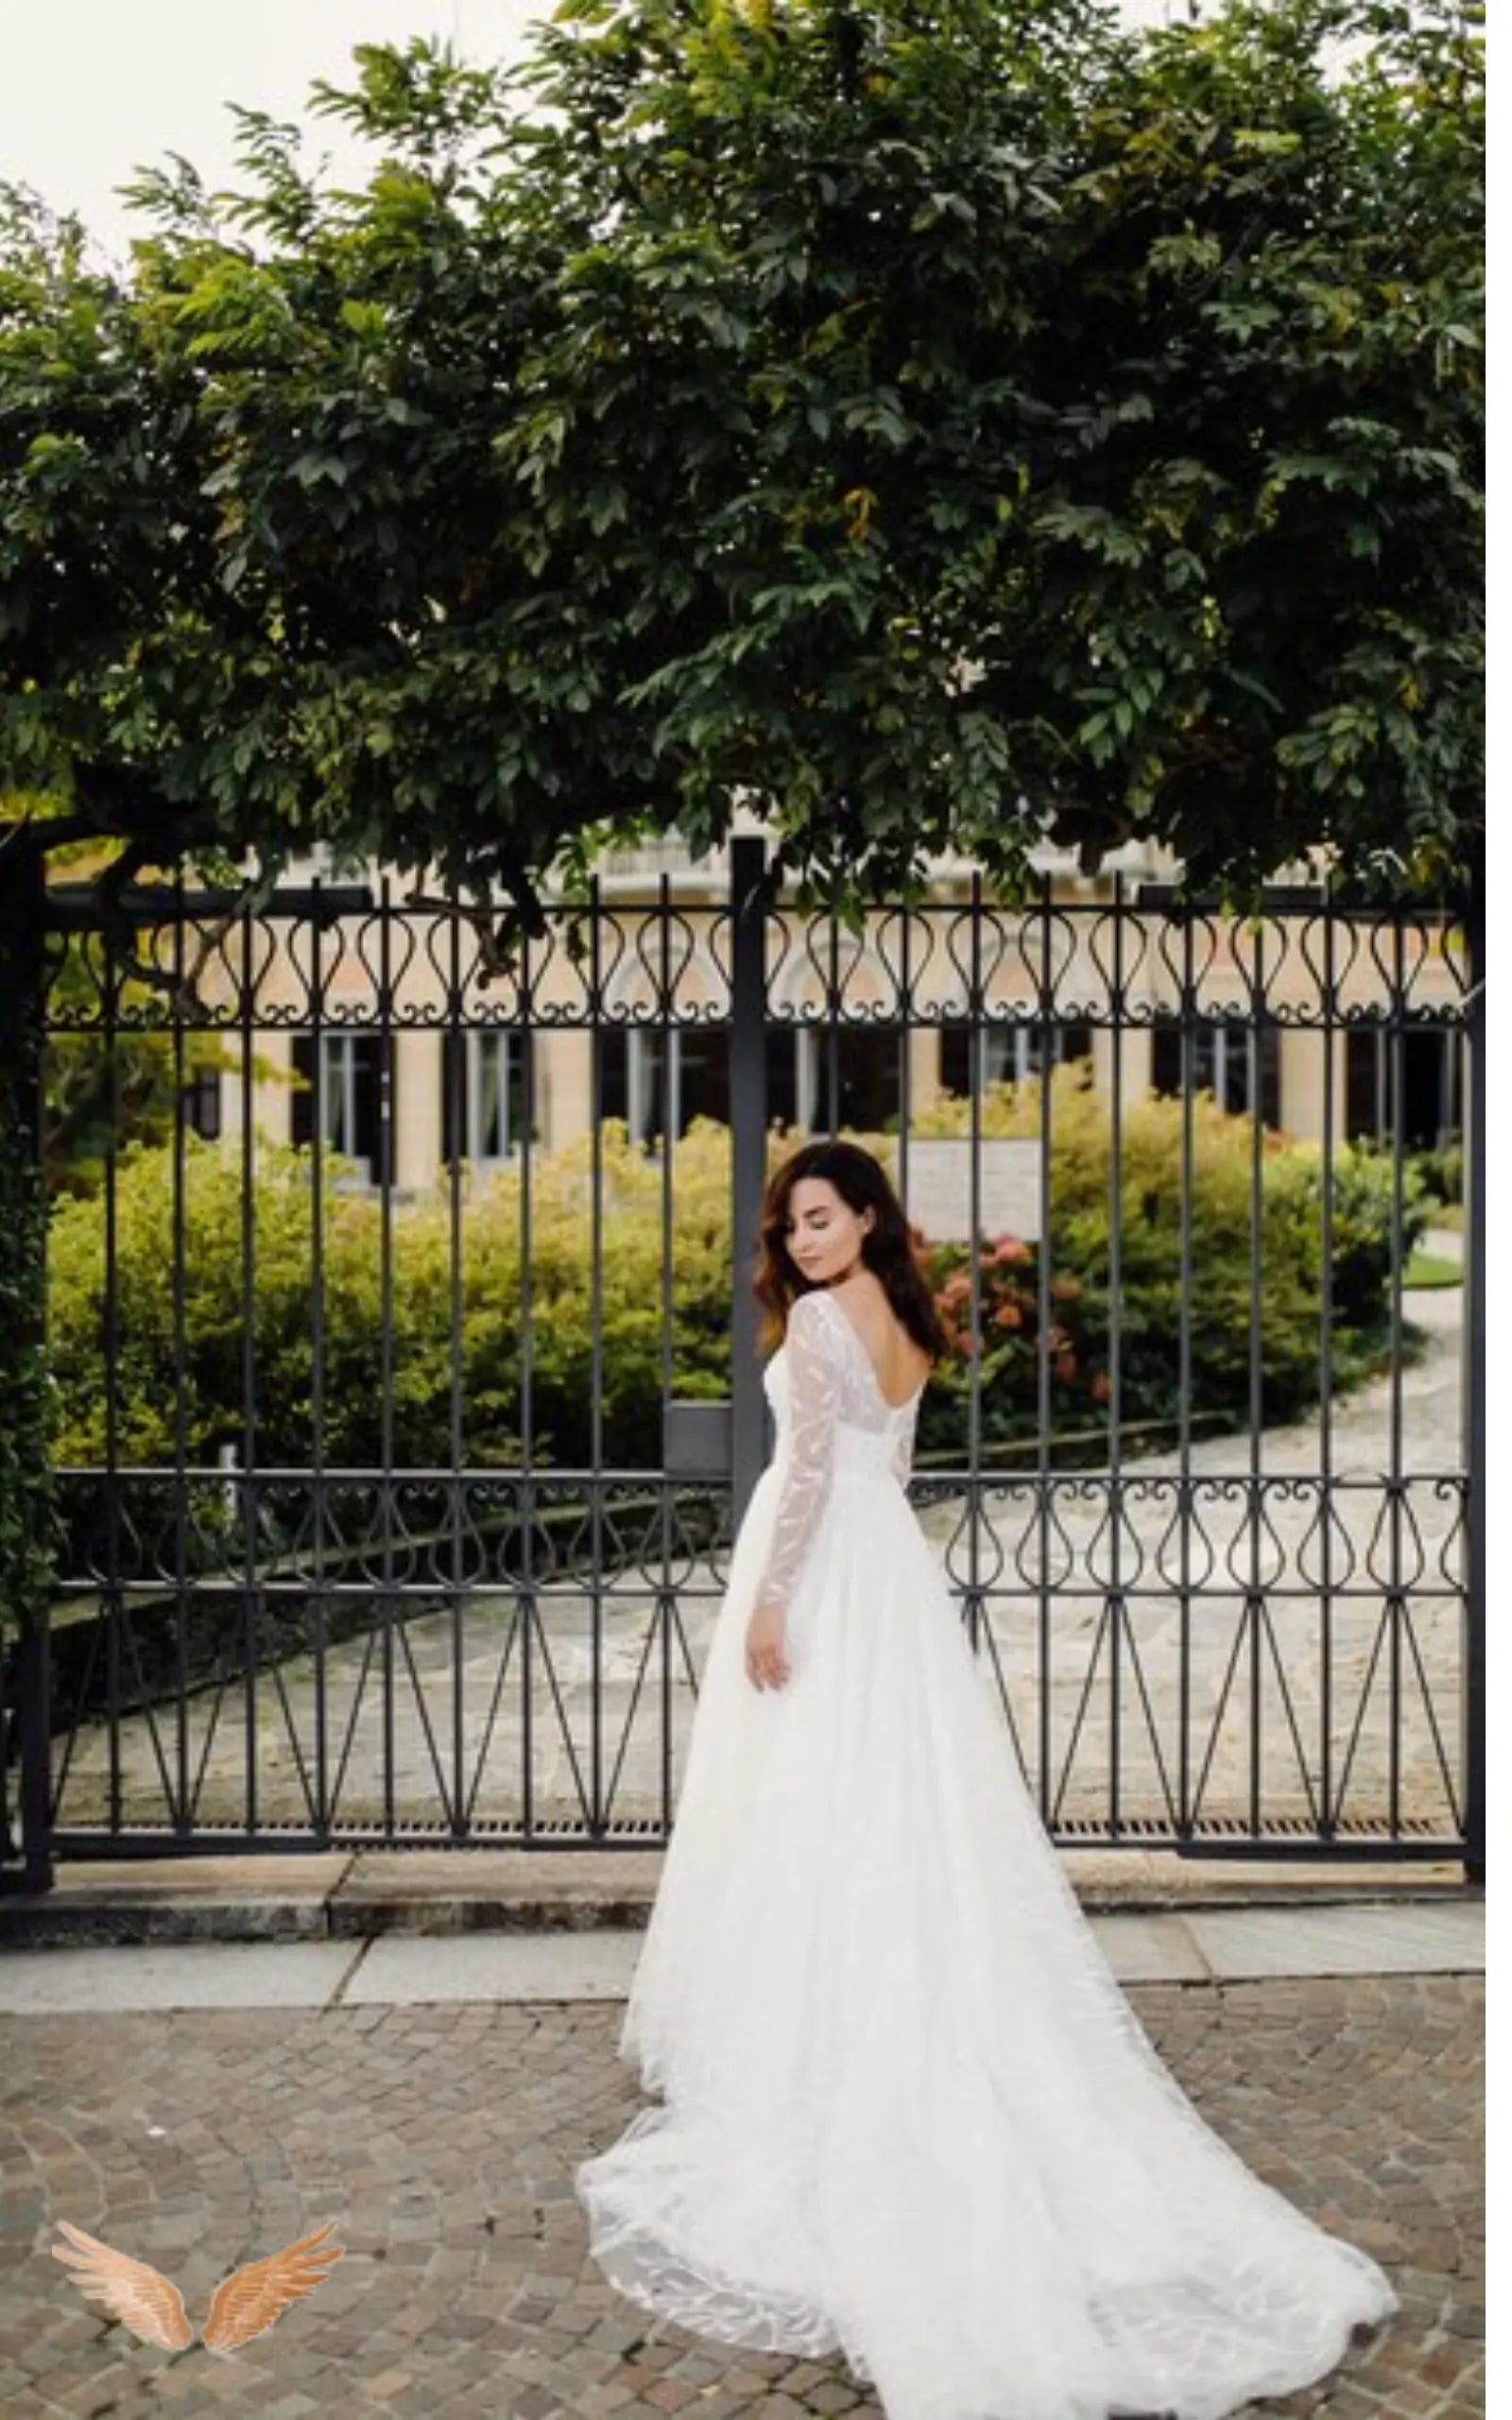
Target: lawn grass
x=1429 y=1269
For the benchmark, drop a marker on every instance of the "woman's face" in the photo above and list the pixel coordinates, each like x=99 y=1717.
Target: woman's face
x=824 y=1234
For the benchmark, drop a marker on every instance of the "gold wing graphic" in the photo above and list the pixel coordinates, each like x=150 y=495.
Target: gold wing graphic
x=250 y=2299
x=131 y=2290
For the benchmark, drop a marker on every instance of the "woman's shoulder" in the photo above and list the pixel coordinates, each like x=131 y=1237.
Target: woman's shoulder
x=807 y=1308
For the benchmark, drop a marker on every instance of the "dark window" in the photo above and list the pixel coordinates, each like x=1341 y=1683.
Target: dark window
x=350 y=1100
x=822 y=1078
x=1430 y=1071
x=483 y=1094
x=782 y=1075
x=654 y=1076
x=201 y=1103
x=1220 y=1061
x=1008 y=1052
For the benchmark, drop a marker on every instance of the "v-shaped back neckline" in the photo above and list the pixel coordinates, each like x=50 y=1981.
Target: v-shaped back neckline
x=846 y=1320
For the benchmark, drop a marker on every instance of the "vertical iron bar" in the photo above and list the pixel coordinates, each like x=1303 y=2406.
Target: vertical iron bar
x=670 y=1094
x=905 y=1038
x=1255 y=1493
x=250 y=1626
x=747 y=1115
x=386 y=1490
x=324 y=1812
x=831 y=1030
x=1396 y=1481
x=1472 y=1697
x=115 y=1612
x=1325 y=1347
x=596 y=1412
x=528 y=1446
x=1187 y=1812
x=182 y=1819
x=1044 y=1412
x=974 y=1492
x=1115 y=1369
x=457 y=1047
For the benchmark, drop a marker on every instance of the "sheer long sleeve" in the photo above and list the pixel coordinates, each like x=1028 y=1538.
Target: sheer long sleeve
x=813 y=1374
x=902 y=1452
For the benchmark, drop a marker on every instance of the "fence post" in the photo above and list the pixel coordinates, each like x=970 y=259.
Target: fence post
x=1472 y=1660
x=748 y=1127
x=25 y=1486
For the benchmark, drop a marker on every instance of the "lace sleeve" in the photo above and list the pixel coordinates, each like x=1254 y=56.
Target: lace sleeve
x=902 y=1452
x=812 y=1373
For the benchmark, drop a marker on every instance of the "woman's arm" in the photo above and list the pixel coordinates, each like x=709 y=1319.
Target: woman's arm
x=813 y=1373
x=902 y=1452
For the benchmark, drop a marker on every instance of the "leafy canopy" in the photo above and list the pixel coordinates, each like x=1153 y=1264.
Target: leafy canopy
x=929 y=423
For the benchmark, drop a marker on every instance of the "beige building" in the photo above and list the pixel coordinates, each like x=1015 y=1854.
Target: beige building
x=457 y=1069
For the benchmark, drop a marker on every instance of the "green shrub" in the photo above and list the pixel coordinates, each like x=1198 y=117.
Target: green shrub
x=629 y=1386
x=1439 y=1176
x=1222 y=1305
x=419 y=1311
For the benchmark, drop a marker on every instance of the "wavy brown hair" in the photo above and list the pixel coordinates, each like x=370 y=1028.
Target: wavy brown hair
x=890 y=1248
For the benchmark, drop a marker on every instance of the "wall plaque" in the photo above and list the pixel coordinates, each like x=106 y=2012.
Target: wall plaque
x=939 y=1187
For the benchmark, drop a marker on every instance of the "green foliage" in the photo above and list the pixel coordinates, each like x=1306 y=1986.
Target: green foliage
x=1439 y=1176
x=1278 y=1322
x=105 y=1090
x=931 y=430
x=401 y=1406
x=938 y=430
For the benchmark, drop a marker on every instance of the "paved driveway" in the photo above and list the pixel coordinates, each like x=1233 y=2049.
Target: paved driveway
x=444 y=2138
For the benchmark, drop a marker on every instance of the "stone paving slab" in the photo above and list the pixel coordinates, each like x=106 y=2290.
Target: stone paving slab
x=240 y=1973
x=599 y=1965
x=1239 y=1942
x=497 y=1966
x=443 y=2141
x=399 y=1970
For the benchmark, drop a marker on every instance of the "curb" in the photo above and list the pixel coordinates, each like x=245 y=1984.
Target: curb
x=362 y=1896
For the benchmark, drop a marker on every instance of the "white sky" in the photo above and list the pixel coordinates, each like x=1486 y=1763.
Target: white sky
x=90 y=90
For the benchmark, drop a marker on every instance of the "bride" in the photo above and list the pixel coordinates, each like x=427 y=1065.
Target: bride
x=907 y=2115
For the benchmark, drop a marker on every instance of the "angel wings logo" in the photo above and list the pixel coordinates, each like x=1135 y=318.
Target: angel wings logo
x=243 y=2306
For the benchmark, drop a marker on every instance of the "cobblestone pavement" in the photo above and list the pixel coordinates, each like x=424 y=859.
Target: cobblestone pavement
x=443 y=2139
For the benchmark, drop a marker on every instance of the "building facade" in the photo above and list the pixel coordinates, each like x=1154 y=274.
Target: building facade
x=456 y=1061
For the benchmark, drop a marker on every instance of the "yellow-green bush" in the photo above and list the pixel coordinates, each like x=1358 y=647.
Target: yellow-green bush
x=421 y=1310
x=629 y=1382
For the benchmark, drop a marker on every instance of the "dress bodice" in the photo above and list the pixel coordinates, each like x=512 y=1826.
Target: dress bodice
x=868 y=1435
x=831 y=1418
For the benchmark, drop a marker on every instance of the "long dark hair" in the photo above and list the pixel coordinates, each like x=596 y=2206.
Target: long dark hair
x=890 y=1248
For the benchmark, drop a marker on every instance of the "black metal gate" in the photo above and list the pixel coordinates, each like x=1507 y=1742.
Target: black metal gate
x=408 y=1402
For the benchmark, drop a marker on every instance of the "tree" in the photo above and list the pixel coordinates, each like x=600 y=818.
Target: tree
x=928 y=421
x=949 y=423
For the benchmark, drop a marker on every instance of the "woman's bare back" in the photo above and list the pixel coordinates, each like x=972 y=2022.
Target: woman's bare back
x=899 y=1363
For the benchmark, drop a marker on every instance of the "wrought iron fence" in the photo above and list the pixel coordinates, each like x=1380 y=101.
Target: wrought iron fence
x=409 y=1396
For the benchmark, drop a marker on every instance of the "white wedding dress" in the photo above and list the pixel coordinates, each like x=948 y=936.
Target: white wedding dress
x=909 y=2117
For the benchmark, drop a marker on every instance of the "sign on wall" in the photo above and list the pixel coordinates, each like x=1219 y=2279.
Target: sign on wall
x=939 y=1187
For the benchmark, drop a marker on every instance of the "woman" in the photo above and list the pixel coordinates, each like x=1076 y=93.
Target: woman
x=908 y=2115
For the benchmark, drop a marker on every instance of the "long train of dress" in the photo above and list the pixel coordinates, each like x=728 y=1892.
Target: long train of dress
x=908 y=2115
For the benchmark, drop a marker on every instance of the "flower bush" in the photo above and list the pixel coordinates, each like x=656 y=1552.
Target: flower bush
x=1283 y=1315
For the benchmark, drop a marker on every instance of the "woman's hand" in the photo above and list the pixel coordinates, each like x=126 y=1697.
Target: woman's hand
x=765 y=1650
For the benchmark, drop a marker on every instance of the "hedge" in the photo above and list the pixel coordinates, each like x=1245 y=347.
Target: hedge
x=483 y=1296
